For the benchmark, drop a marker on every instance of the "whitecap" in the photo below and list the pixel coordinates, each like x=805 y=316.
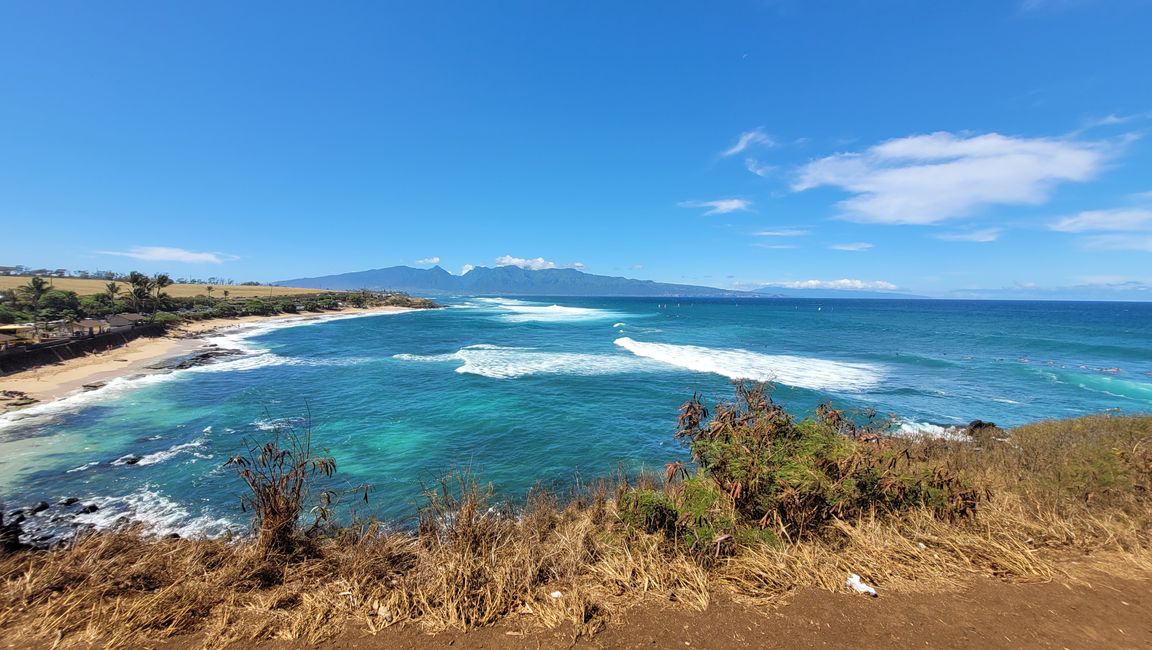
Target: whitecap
x=83 y=467
x=913 y=429
x=498 y=362
x=735 y=363
x=170 y=453
x=553 y=314
x=159 y=514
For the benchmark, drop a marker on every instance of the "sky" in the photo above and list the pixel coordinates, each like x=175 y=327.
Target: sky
x=952 y=149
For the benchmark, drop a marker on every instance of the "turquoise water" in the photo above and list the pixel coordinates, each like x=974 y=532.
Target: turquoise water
x=527 y=391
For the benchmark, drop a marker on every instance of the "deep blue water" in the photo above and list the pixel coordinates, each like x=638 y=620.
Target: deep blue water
x=522 y=392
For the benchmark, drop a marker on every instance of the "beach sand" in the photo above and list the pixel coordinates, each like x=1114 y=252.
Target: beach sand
x=58 y=380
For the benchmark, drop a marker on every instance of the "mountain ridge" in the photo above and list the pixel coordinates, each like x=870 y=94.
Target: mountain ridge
x=517 y=281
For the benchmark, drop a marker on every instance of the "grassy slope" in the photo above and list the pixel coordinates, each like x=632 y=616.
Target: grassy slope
x=88 y=287
x=1054 y=490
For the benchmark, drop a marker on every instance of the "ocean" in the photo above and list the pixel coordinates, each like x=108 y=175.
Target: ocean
x=523 y=392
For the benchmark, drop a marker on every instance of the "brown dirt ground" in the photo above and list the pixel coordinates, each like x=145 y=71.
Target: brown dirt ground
x=1095 y=611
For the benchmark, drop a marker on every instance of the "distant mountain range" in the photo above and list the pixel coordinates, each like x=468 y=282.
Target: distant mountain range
x=515 y=281
x=504 y=281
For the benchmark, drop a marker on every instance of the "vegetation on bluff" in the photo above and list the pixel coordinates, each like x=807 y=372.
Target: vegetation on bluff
x=771 y=504
x=38 y=301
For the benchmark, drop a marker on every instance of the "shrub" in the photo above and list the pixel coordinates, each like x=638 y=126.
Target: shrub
x=279 y=474
x=761 y=473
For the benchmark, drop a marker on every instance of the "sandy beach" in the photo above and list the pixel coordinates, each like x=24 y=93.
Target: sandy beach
x=58 y=380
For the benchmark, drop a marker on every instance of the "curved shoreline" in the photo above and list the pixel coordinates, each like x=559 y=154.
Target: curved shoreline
x=47 y=384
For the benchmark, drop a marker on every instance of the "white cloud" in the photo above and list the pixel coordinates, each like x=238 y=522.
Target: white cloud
x=464 y=270
x=756 y=167
x=784 y=232
x=845 y=283
x=747 y=139
x=535 y=264
x=166 y=254
x=925 y=179
x=429 y=260
x=854 y=246
x=719 y=206
x=775 y=246
x=1118 y=219
x=1120 y=243
x=985 y=235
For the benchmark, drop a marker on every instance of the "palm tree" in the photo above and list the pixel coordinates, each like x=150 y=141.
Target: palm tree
x=209 y=289
x=110 y=291
x=33 y=292
x=158 y=284
x=141 y=289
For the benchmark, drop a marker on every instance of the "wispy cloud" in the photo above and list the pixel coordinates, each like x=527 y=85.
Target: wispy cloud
x=774 y=246
x=535 y=263
x=747 y=139
x=925 y=179
x=719 y=206
x=854 y=246
x=783 y=232
x=758 y=168
x=844 y=283
x=466 y=269
x=1118 y=219
x=167 y=254
x=1119 y=243
x=429 y=260
x=982 y=236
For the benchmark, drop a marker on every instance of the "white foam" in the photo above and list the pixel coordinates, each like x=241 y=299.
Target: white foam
x=913 y=429
x=509 y=363
x=83 y=467
x=553 y=314
x=159 y=514
x=801 y=372
x=45 y=412
x=172 y=452
x=278 y=424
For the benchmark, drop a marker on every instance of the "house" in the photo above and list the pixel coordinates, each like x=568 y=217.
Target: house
x=17 y=335
x=125 y=321
x=89 y=327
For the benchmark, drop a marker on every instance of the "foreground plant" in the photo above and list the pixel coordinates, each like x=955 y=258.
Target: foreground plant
x=762 y=476
x=280 y=473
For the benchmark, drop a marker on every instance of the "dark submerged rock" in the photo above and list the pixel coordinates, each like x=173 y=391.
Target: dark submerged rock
x=40 y=507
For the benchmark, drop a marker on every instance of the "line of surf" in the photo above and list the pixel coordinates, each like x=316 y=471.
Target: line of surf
x=735 y=363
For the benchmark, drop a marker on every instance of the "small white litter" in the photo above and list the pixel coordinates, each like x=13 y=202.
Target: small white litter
x=855 y=583
x=556 y=594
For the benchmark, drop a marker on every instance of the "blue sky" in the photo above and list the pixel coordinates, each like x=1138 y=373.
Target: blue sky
x=952 y=149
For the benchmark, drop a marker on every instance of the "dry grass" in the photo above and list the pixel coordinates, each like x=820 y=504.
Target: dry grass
x=475 y=562
x=91 y=287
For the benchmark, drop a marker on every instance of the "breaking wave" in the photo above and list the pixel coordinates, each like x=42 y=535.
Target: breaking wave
x=498 y=362
x=800 y=372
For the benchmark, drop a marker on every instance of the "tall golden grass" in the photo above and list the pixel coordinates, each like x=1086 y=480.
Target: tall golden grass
x=1054 y=489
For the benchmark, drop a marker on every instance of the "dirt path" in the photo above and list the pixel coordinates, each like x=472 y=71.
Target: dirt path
x=1100 y=611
